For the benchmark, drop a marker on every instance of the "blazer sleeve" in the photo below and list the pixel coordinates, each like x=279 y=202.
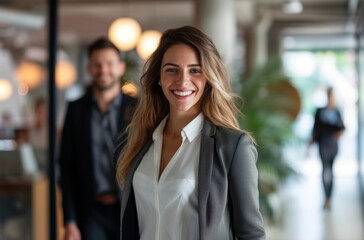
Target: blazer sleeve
x=247 y=220
x=65 y=160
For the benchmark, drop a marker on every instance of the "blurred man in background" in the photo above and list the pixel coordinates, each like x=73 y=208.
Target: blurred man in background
x=91 y=199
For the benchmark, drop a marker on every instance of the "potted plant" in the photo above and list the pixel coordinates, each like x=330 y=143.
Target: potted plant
x=270 y=105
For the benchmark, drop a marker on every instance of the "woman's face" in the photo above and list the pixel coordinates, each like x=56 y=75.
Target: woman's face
x=182 y=80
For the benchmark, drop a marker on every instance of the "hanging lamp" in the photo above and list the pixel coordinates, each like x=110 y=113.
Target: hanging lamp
x=124 y=33
x=5 y=89
x=65 y=74
x=30 y=73
x=148 y=43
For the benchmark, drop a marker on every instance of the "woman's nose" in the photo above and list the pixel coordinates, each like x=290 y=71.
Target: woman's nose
x=184 y=79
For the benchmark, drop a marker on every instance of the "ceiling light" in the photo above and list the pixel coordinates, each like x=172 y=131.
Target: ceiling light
x=148 y=43
x=124 y=33
x=30 y=73
x=129 y=88
x=292 y=7
x=5 y=89
x=65 y=74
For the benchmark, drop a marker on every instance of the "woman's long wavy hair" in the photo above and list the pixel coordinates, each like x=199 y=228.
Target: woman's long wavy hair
x=217 y=103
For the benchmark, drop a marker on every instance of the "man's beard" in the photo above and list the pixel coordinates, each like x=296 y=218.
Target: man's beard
x=100 y=87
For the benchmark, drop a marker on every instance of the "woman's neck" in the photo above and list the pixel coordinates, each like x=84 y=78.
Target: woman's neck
x=177 y=121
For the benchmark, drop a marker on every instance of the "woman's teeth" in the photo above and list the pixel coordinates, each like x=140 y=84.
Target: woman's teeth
x=182 y=93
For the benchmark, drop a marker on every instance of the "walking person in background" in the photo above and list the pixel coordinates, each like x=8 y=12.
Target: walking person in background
x=90 y=196
x=188 y=171
x=327 y=129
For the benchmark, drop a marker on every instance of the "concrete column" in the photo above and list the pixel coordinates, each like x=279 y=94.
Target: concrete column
x=217 y=19
x=261 y=36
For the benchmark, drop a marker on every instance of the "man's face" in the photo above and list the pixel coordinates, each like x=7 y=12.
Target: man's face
x=105 y=68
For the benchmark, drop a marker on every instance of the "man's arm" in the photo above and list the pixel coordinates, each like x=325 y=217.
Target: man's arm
x=66 y=167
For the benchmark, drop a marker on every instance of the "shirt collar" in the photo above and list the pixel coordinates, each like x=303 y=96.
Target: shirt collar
x=117 y=101
x=158 y=132
x=114 y=105
x=191 y=130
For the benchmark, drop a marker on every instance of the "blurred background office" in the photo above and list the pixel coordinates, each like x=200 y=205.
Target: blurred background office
x=281 y=54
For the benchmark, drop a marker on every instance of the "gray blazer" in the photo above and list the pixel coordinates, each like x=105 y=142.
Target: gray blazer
x=227 y=181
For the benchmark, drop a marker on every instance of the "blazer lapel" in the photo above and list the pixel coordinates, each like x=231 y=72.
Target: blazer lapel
x=129 y=227
x=204 y=177
x=125 y=112
x=121 y=109
x=86 y=128
x=129 y=178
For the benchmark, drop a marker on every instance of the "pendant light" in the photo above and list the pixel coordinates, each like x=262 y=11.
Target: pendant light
x=148 y=43
x=124 y=33
x=65 y=74
x=5 y=89
x=30 y=74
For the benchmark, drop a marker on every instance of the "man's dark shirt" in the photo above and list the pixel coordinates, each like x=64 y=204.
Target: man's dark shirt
x=103 y=134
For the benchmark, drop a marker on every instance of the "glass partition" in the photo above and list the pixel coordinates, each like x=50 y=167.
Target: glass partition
x=23 y=120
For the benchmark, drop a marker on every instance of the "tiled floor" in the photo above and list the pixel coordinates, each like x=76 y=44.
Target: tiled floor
x=300 y=204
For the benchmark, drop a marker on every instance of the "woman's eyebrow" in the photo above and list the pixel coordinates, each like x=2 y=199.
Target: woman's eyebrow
x=194 y=65
x=176 y=65
x=170 y=64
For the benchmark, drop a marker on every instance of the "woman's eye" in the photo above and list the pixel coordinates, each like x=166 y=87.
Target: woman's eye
x=195 y=70
x=171 y=70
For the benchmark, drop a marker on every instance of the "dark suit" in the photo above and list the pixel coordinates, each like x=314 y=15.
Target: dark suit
x=76 y=157
x=227 y=181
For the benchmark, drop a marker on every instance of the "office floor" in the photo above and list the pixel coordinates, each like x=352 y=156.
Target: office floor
x=299 y=204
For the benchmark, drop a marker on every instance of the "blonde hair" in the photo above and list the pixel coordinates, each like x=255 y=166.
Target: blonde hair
x=217 y=103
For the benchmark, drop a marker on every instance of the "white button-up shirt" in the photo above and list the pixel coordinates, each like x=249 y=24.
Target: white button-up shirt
x=167 y=208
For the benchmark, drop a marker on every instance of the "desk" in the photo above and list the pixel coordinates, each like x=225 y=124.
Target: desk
x=31 y=196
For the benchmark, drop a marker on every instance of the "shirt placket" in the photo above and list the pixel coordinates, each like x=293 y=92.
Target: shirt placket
x=163 y=178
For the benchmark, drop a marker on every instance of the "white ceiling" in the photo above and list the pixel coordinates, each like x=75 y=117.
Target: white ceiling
x=80 y=21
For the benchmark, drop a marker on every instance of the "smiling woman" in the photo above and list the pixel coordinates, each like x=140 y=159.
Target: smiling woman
x=185 y=143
